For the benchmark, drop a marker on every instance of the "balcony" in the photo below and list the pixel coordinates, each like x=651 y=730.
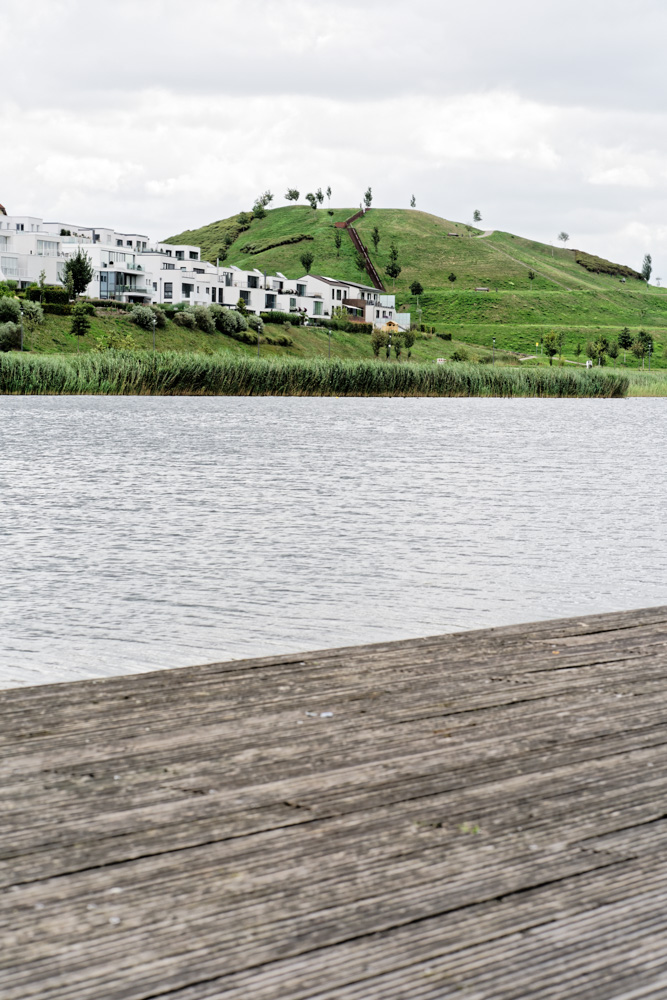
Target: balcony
x=131 y=290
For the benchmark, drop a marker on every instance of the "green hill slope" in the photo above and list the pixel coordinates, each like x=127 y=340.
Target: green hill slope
x=533 y=287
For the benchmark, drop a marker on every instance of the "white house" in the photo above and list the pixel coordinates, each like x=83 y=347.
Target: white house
x=128 y=267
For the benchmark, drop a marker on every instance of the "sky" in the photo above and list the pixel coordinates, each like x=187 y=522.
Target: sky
x=155 y=116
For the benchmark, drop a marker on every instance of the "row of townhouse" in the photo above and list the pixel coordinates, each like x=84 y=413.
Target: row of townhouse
x=129 y=267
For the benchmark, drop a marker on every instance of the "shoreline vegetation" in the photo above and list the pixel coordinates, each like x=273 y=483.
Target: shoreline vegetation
x=192 y=374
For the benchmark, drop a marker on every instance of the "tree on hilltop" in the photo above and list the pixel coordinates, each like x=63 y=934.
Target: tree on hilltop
x=329 y=195
x=319 y=195
x=311 y=199
x=375 y=237
x=647 y=267
x=563 y=237
x=368 y=198
x=413 y=202
x=477 y=216
x=291 y=194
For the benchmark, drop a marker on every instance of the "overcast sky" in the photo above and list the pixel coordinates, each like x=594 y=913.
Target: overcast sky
x=160 y=115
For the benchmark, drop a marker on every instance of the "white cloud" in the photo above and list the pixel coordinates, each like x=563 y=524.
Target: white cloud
x=155 y=117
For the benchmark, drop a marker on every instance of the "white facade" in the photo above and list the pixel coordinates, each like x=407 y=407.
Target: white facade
x=128 y=267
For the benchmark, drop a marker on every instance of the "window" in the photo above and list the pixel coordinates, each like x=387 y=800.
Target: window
x=229 y=278
x=168 y=267
x=213 y=295
x=199 y=270
x=339 y=294
x=253 y=281
x=20 y=227
x=10 y=266
x=245 y=295
x=300 y=289
x=207 y=290
x=317 y=309
x=187 y=290
x=292 y=304
x=155 y=286
x=167 y=253
x=168 y=289
x=180 y=255
x=193 y=255
x=377 y=313
x=269 y=301
x=47 y=249
x=119 y=243
x=197 y=289
x=333 y=293
x=128 y=243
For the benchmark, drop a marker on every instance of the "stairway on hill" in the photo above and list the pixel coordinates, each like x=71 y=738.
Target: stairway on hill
x=354 y=236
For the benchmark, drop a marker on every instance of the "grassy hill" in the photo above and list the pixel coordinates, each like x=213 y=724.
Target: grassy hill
x=562 y=294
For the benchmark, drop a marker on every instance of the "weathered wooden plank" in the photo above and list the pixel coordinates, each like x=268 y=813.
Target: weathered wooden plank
x=484 y=815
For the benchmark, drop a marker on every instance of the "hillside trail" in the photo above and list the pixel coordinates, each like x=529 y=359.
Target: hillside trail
x=362 y=249
x=489 y=232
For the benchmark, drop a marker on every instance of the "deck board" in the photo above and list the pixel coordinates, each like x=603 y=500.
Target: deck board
x=483 y=816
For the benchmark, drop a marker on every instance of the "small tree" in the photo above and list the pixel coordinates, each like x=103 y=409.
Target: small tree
x=550 y=344
x=560 y=340
x=625 y=341
x=228 y=238
x=258 y=210
x=397 y=344
x=266 y=198
x=451 y=277
x=329 y=195
x=338 y=240
x=311 y=199
x=408 y=340
x=80 y=322
x=563 y=237
x=647 y=267
x=33 y=316
x=375 y=237
x=577 y=350
x=393 y=268
x=613 y=350
x=368 y=198
x=242 y=306
x=42 y=284
x=307 y=258
x=80 y=269
x=222 y=253
x=531 y=276
x=413 y=202
x=416 y=288
x=477 y=216
x=379 y=339
x=319 y=195
x=360 y=261
x=291 y=194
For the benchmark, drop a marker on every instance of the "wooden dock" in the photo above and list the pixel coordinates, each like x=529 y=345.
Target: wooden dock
x=480 y=815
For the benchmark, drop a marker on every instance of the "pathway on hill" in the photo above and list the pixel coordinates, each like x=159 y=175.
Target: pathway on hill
x=489 y=232
x=356 y=240
x=530 y=267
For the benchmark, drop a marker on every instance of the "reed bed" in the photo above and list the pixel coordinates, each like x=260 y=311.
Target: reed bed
x=178 y=374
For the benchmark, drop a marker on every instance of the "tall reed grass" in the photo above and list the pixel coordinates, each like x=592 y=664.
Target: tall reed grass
x=176 y=374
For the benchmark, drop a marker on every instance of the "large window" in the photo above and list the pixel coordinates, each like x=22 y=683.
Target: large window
x=253 y=281
x=300 y=289
x=292 y=304
x=317 y=308
x=45 y=248
x=245 y=295
x=270 y=301
x=10 y=266
x=168 y=290
x=187 y=290
x=168 y=267
x=193 y=255
x=180 y=255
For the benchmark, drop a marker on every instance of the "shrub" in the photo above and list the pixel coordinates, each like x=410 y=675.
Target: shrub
x=280 y=341
x=255 y=323
x=10 y=310
x=111 y=304
x=230 y=322
x=80 y=322
x=142 y=316
x=50 y=293
x=203 y=319
x=444 y=336
x=10 y=337
x=346 y=326
x=185 y=318
x=460 y=355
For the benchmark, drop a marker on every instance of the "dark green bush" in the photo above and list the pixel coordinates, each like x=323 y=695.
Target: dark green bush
x=443 y=336
x=10 y=337
x=111 y=304
x=58 y=308
x=346 y=326
x=10 y=310
x=185 y=318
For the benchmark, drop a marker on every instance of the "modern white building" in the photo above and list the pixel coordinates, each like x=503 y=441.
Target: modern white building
x=128 y=267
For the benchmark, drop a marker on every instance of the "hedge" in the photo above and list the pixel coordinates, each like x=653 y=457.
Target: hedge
x=296 y=319
x=346 y=326
x=50 y=293
x=57 y=308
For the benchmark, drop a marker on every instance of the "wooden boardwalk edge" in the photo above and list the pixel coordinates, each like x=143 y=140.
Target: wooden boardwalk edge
x=480 y=814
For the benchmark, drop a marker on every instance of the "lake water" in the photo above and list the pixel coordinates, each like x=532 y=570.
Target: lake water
x=140 y=533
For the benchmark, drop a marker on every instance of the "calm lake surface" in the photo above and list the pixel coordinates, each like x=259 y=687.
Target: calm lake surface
x=140 y=533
